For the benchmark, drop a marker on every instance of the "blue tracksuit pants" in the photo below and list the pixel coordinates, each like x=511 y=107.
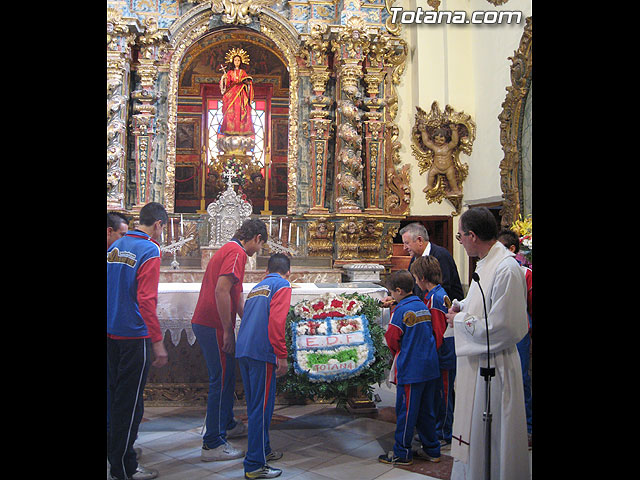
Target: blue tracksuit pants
x=415 y=409
x=259 y=380
x=222 y=381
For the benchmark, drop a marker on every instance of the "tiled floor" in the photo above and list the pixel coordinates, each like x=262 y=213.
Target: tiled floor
x=319 y=441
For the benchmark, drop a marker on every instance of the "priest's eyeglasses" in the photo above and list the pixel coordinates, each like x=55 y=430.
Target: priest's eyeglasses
x=459 y=236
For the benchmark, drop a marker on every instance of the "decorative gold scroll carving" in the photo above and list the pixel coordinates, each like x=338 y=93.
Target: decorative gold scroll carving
x=238 y=12
x=321 y=233
x=511 y=124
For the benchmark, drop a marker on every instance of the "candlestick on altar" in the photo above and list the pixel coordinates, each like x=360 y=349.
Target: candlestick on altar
x=267 y=168
x=280 y=230
x=270 y=225
x=289 y=236
x=298 y=236
x=171 y=228
x=181 y=226
x=203 y=175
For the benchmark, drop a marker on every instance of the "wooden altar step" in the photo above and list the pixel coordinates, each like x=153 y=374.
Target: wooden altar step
x=400 y=258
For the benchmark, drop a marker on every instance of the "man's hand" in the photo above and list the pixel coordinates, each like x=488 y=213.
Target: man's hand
x=229 y=342
x=162 y=358
x=387 y=302
x=452 y=312
x=282 y=366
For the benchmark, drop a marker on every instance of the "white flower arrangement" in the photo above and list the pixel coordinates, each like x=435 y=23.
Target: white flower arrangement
x=346 y=325
x=327 y=306
x=311 y=328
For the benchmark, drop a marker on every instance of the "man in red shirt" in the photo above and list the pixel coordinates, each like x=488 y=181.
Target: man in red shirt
x=213 y=324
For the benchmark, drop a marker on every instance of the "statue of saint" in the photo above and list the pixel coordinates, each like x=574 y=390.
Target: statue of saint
x=237 y=90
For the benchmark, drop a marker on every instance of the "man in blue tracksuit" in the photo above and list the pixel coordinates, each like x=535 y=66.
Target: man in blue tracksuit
x=261 y=351
x=133 y=333
x=416 y=372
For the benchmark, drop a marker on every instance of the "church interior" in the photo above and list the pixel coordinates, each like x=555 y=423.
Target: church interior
x=358 y=117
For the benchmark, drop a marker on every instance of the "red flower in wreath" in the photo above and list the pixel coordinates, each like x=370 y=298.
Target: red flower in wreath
x=318 y=306
x=336 y=303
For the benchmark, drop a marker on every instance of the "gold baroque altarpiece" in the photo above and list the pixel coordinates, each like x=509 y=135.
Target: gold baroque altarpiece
x=343 y=132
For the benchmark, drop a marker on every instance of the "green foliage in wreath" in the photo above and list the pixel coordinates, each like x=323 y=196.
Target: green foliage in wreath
x=300 y=387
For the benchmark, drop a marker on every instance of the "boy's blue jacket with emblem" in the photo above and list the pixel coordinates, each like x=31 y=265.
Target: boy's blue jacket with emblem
x=133 y=272
x=262 y=331
x=410 y=338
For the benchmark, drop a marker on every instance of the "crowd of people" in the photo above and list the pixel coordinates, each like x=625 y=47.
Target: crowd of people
x=439 y=340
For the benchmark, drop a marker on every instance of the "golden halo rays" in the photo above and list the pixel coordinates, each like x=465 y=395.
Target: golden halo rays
x=240 y=52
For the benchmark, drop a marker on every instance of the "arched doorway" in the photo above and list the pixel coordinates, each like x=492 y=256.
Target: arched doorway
x=199 y=103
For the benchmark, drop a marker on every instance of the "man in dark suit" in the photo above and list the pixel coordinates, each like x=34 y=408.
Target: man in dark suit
x=416 y=241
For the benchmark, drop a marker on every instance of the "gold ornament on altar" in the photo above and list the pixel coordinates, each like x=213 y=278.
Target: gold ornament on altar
x=438 y=138
x=238 y=11
x=239 y=52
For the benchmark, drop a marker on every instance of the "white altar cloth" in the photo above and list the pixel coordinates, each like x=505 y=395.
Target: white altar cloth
x=177 y=302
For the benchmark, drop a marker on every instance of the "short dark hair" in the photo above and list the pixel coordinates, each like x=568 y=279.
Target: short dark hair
x=401 y=279
x=115 y=219
x=250 y=228
x=278 y=263
x=427 y=268
x=480 y=221
x=508 y=238
x=151 y=213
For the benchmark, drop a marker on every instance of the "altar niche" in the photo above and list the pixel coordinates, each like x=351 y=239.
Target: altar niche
x=200 y=164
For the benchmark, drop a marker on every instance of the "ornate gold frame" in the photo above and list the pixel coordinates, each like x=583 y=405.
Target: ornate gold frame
x=186 y=31
x=511 y=126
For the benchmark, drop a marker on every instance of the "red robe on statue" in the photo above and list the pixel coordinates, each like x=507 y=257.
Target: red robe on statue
x=236 y=104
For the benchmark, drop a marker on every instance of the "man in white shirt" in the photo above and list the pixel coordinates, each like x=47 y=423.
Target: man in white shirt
x=503 y=283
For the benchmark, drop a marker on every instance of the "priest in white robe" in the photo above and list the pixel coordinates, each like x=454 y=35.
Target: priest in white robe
x=504 y=287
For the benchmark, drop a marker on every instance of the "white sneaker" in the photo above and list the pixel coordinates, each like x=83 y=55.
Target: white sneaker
x=240 y=430
x=226 y=451
x=143 y=473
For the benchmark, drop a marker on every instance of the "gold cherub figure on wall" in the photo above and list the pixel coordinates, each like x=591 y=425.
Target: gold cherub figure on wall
x=438 y=138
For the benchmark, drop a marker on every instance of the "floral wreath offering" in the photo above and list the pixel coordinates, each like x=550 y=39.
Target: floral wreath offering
x=335 y=347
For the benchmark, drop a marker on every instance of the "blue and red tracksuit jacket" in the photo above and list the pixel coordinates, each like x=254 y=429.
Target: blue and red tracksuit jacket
x=262 y=331
x=410 y=338
x=133 y=272
x=438 y=303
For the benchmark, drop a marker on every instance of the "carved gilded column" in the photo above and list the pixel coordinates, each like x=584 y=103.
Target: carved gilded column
x=143 y=122
x=119 y=41
x=350 y=48
x=374 y=128
x=319 y=123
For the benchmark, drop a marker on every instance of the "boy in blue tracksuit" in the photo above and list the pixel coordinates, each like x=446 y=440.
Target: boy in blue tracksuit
x=416 y=371
x=261 y=351
x=428 y=276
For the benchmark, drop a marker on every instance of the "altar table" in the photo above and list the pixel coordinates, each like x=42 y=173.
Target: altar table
x=177 y=302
